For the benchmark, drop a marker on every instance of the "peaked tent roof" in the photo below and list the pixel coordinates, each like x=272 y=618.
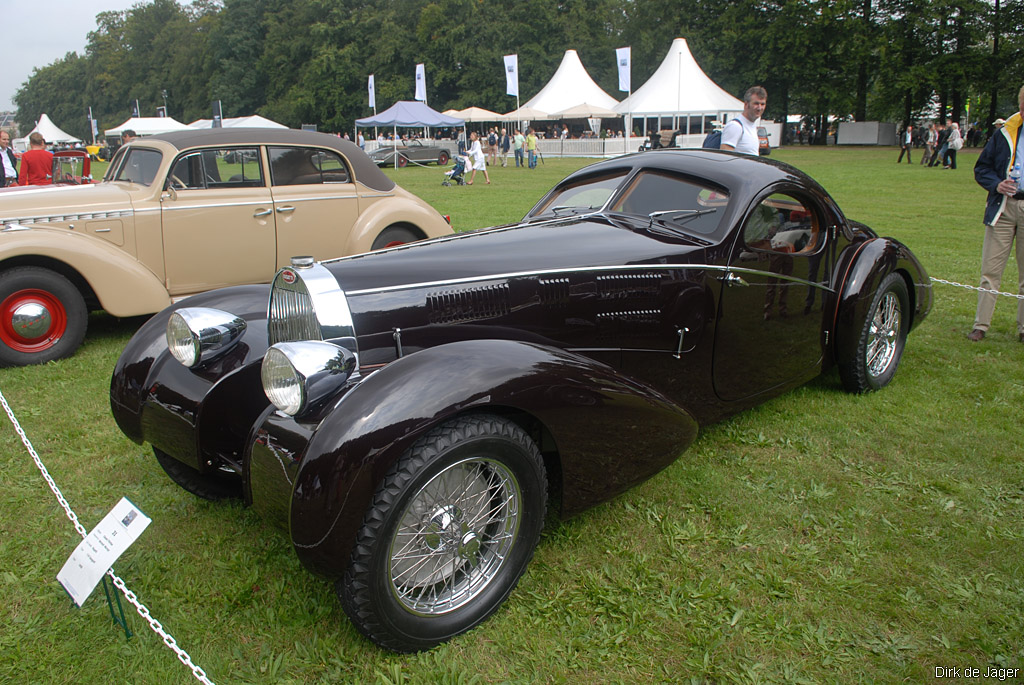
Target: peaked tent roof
x=679 y=86
x=474 y=114
x=525 y=113
x=585 y=110
x=410 y=113
x=253 y=121
x=570 y=86
x=51 y=133
x=148 y=126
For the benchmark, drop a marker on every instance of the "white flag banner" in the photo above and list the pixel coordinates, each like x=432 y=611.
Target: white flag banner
x=622 y=59
x=373 y=94
x=421 y=83
x=512 y=75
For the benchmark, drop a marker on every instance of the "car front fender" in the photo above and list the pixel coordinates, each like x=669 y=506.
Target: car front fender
x=194 y=414
x=869 y=263
x=123 y=285
x=593 y=415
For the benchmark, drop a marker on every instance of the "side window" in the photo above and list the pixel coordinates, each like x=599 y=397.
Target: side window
x=218 y=168
x=187 y=172
x=332 y=167
x=782 y=223
x=140 y=166
x=292 y=166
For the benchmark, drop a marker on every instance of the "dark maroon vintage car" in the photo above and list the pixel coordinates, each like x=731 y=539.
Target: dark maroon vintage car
x=409 y=416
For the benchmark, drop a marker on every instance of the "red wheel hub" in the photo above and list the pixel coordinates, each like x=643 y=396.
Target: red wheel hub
x=32 y=320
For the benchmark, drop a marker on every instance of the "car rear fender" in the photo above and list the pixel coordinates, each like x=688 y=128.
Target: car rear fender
x=607 y=432
x=123 y=286
x=376 y=214
x=868 y=263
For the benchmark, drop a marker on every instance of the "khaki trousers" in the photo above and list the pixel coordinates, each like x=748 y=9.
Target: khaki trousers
x=995 y=252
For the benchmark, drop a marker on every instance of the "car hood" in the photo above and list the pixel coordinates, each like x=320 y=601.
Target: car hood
x=519 y=248
x=64 y=203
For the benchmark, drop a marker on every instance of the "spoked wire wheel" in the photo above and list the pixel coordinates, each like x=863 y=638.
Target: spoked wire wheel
x=449 y=532
x=884 y=334
x=454 y=536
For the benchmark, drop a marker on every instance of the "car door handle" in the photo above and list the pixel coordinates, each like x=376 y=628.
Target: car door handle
x=286 y=208
x=262 y=212
x=732 y=279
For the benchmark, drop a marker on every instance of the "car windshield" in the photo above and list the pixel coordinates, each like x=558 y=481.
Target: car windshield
x=581 y=196
x=140 y=166
x=674 y=200
x=114 y=163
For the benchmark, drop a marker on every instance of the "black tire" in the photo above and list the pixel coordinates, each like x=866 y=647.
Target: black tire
x=442 y=158
x=881 y=339
x=50 y=312
x=403 y=161
x=436 y=493
x=394 y=235
x=213 y=486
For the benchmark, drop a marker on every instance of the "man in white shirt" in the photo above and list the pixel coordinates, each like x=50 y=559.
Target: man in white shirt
x=740 y=134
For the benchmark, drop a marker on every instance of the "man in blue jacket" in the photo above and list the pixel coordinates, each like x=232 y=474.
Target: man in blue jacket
x=1000 y=171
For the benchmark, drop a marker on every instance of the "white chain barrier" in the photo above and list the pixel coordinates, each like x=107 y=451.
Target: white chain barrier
x=168 y=639
x=974 y=287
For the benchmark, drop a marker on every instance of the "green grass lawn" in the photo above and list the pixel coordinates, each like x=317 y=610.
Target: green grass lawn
x=821 y=537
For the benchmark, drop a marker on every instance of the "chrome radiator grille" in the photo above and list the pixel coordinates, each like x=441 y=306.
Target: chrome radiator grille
x=291 y=315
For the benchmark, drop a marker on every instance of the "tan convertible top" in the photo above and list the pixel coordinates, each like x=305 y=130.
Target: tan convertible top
x=365 y=171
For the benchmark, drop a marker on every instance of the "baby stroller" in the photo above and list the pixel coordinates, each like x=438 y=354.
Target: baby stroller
x=454 y=175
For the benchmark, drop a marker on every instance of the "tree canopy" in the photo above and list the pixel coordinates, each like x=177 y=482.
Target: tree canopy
x=307 y=61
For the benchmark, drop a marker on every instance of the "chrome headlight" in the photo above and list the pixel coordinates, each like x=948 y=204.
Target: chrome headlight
x=300 y=375
x=198 y=334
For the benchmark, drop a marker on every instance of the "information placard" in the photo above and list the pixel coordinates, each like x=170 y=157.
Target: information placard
x=100 y=549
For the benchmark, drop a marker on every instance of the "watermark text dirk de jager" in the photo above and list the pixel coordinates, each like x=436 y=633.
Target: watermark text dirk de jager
x=977 y=672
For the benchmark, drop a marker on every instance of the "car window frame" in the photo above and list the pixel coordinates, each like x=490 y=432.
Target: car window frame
x=115 y=164
x=319 y=167
x=701 y=182
x=819 y=219
x=221 y=185
x=127 y=155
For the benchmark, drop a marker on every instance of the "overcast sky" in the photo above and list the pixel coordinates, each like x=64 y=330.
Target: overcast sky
x=39 y=33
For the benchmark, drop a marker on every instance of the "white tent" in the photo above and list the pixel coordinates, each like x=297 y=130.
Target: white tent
x=680 y=87
x=147 y=126
x=570 y=86
x=51 y=133
x=474 y=114
x=253 y=121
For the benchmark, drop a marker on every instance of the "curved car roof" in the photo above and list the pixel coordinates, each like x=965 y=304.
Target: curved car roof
x=733 y=170
x=366 y=172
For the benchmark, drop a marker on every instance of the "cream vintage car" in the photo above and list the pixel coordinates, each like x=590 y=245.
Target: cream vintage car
x=181 y=213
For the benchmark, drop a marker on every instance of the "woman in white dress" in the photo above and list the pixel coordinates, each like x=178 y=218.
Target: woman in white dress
x=476 y=157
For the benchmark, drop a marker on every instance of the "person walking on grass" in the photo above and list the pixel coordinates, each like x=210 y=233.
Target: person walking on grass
x=908 y=141
x=477 y=158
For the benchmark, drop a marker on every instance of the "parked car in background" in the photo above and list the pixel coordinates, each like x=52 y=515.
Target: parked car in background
x=413 y=151
x=764 y=147
x=409 y=416
x=181 y=213
x=70 y=167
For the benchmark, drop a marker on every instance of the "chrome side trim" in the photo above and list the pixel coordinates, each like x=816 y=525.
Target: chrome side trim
x=353 y=196
x=175 y=207
x=586 y=269
x=85 y=216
